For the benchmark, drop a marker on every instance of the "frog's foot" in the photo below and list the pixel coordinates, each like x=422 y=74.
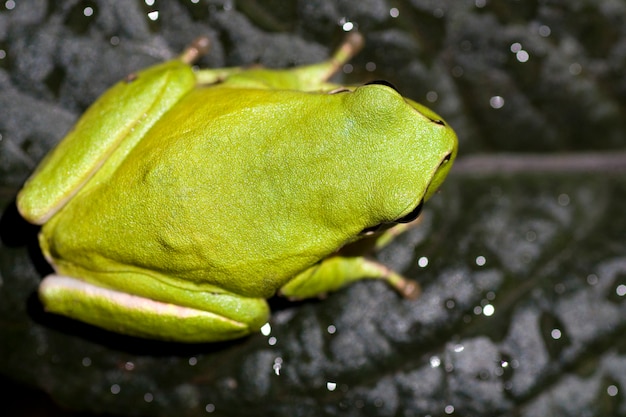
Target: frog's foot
x=336 y=272
x=200 y=46
x=143 y=317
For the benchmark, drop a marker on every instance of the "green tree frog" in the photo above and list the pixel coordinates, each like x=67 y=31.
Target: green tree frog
x=182 y=200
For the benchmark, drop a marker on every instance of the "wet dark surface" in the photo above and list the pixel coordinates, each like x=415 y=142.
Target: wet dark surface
x=521 y=255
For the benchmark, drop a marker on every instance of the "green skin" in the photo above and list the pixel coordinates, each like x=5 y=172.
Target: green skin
x=182 y=200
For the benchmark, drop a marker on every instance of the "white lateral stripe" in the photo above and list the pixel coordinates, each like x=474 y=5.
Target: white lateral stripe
x=54 y=283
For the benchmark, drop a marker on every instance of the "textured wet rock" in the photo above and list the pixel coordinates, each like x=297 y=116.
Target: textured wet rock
x=523 y=271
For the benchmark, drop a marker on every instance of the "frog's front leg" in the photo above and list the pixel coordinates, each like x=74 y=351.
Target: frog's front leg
x=383 y=238
x=337 y=271
x=143 y=317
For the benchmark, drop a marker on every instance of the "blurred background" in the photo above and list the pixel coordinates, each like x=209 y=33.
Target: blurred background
x=521 y=256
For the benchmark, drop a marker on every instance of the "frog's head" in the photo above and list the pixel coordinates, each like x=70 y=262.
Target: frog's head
x=449 y=141
x=410 y=149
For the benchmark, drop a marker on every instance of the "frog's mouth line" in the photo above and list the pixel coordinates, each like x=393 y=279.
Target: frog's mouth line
x=439 y=175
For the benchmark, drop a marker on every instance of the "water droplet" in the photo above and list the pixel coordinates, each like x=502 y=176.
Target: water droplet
x=544 y=31
x=347 y=26
x=432 y=96
x=278 y=363
x=435 y=361
x=489 y=310
x=522 y=56
x=575 y=68
x=496 y=102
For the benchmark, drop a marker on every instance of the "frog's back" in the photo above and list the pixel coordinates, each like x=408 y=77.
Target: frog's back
x=215 y=194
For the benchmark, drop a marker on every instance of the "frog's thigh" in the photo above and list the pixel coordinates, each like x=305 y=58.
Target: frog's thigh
x=138 y=316
x=337 y=271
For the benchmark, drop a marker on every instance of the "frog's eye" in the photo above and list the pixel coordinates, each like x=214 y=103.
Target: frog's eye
x=412 y=215
x=383 y=82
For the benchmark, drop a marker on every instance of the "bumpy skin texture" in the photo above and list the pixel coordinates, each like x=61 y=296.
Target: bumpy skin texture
x=218 y=188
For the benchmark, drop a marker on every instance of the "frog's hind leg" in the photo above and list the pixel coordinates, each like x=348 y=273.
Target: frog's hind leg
x=140 y=316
